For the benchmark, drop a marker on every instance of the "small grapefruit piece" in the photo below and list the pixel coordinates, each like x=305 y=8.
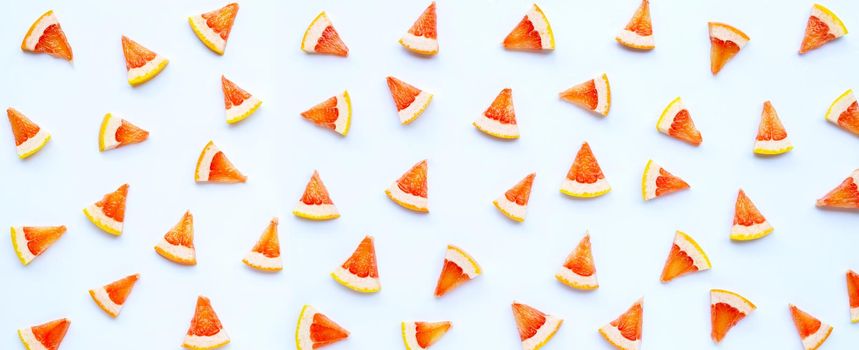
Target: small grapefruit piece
x=315 y=203
x=31 y=241
x=812 y=332
x=625 y=331
x=46 y=336
x=845 y=196
x=265 y=255
x=315 y=330
x=535 y=327
x=410 y=101
x=239 y=103
x=141 y=63
x=853 y=294
x=725 y=42
x=772 y=137
x=844 y=112
x=458 y=268
x=514 y=203
x=213 y=28
x=726 y=310
x=638 y=33
x=657 y=182
x=206 y=330
x=532 y=33
x=116 y=132
x=422 y=37
x=177 y=245
x=29 y=137
x=593 y=95
x=499 y=119
x=422 y=335
x=578 y=270
x=335 y=113
x=749 y=223
x=675 y=121
x=360 y=272
x=109 y=213
x=112 y=296
x=823 y=26
x=213 y=166
x=410 y=190
x=585 y=178
x=321 y=38
x=46 y=36
x=686 y=256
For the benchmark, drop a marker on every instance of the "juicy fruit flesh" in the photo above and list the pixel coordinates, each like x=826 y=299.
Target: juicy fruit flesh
x=331 y=43
x=846 y=195
x=771 y=127
x=502 y=108
x=584 y=95
x=746 y=213
x=415 y=180
x=629 y=324
x=22 y=128
x=452 y=276
x=323 y=331
x=53 y=41
x=640 y=22
x=805 y=324
x=667 y=183
x=723 y=317
x=233 y=95
x=683 y=128
x=585 y=168
x=40 y=238
x=853 y=288
x=205 y=322
x=128 y=133
x=581 y=260
x=524 y=37
x=269 y=244
x=404 y=94
x=528 y=320
x=51 y=334
x=425 y=26
x=221 y=20
x=113 y=204
x=427 y=333
x=316 y=193
x=816 y=34
x=221 y=169
x=678 y=263
x=118 y=291
x=135 y=54
x=721 y=51
x=324 y=114
x=520 y=193
x=849 y=119
x=183 y=233
x=362 y=263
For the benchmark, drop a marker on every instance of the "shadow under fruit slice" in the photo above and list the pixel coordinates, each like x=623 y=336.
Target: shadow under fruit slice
x=265 y=255
x=458 y=268
x=360 y=272
x=535 y=327
x=31 y=241
x=108 y=214
x=206 y=330
x=315 y=330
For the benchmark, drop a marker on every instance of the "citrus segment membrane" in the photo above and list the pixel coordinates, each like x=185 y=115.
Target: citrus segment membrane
x=213 y=27
x=206 y=330
x=321 y=38
x=844 y=196
x=111 y=297
x=812 y=331
x=315 y=330
x=335 y=113
x=578 y=270
x=823 y=26
x=46 y=336
x=315 y=203
x=31 y=241
x=844 y=112
x=749 y=223
x=422 y=335
x=585 y=178
x=46 y=36
x=116 y=132
x=657 y=182
x=265 y=254
x=675 y=121
x=535 y=327
x=410 y=101
x=458 y=268
x=726 y=310
x=725 y=42
x=142 y=64
x=177 y=245
x=638 y=33
x=239 y=104
x=410 y=190
x=593 y=95
x=514 y=203
x=108 y=214
x=422 y=37
x=499 y=119
x=360 y=272
x=29 y=137
x=772 y=137
x=213 y=166
x=624 y=333
x=533 y=33
x=685 y=257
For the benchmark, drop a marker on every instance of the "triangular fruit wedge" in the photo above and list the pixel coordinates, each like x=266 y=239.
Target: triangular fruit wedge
x=315 y=330
x=265 y=255
x=206 y=330
x=726 y=310
x=823 y=26
x=657 y=182
x=116 y=132
x=638 y=33
x=31 y=241
x=335 y=113
x=315 y=203
x=112 y=297
x=772 y=137
x=422 y=335
x=410 y=101
x=410 y=190
x=535 y=327
x=109 y=213
x=686 y=256
x=46 y=36
x=625 y=331
x=853 y=294
x=845 y=196
x=578 y=270
x=844 y=112
x=514 y=203
x=499 y=119
x=585 y=178
x=213 y=166
x=213 y=28
x=177 y=245
x=29 y=137
x=458 y=268
x=239 y=103
x=725 y=42
x=593 y=95
x=141 y=63
x=532 y=33
x=749 y=223
x=675 y=121
x=812 y=332
x=422 y=37
x=321 y=38
x=360 y=272
x=46 y=336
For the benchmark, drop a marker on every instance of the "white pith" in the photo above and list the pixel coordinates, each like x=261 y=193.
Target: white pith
x=571 y=278
x=496 y=128
x=601 y=84
x=632 y=38
x=316 y=210
x=104 y=300
x=854 y=314
x=511 y=208
x=180 y=252
x=773 y=146
x=33 y=143
x=834 y=28
x=669 y=114
x=614 y=336
x=414 y=109
x=350 y=280
x=840 y=106
x=205 y=164
x=408 y=198
x=235 y=113
x=152 y=65
x=206 y=342
x=314 y=33
x=260 y=261
x=541 y=26
x=573 y=187
x=109 y=138
x=685 y=244
x=740 y=231
x=98 y=216
x=39 y=29
x=726 y=34
x=419 y=43
x=410 y=336
x=30 y=340
x=468 y=266
x=21 y=243
x=651 y=172
x=814 y=340
x=204 y=29
x=302 y=332
x=731 y=300
x=549 y=327
x=343 y=114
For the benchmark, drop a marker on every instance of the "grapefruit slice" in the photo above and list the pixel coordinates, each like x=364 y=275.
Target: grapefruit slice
x=812 y=332
x=410 y=101
x=675 y=121
x=638 y=33
x=213 y=28
x=725 y=42
x=422 y=37
x=823 y=26
x=206 y=330
x=177 y=245
x=265 y=255
x=844 y=112
x=31 y=241
x=360 y=272
x=410 y=190
x=321 y=38
x=29 y=137
x=514 y=203
x=109 y=213
x=845 y=196
x=749 y=223
x=686 y=256
x=535 y=327
x=315 y=203
x=726 y=310
x=853 y=294
x=112 y=296
x=46 y=36
x=422 y=335
x=625 y=331
x=239 y=103
x=315 y=330
x=214 y=167
x=141 y=63
x=458 y=268
x=46 y=336
x=578 y=271
x=585 y=178
x=499 y=119
x=772 y=137
x=117 y=132
x=657 y=182
x=533 y=33
x=593 y=95
x=334 y=113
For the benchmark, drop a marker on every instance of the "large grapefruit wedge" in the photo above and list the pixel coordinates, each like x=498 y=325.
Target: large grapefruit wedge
x=410 y=101
x=845 y=196
x=725 y=42
x=315 y=203
x=772 y=137
x=853 y=294
x=811 y=331
x=625 y=331
x=593 y=95
x=360 y=272
x=823 y=26
x=239 y=103
x=141 y=63
x=265 y=255
x=686 y=256
x=499 y=119
x=514 y=203
x=315 y=330
x=533 y=33
x=638 y=33
x=749 y=223
x=458 y=268
x=578 y=270
x=585 y=178
x=726 y=310
x=410 y=190
x=421 y=335
x=675 y=121
x=335 y=113
x=657 y=182
x=535 y=327
x=213 y=27
x=844 y=112
x=422 y=37
x=46 y=336
x=31 y=241
x=321 y=38
x=29 y=137
x=206 y=330
x=214 y=167
x=109 y=213
x=111 y=297
x=116 y=132
x=177 y=245
x=46 y=36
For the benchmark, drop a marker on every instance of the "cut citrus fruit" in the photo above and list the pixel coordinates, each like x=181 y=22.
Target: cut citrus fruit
x=206 y=330
x=213 y=166
x=109 y=213
x=499 y=119
x=112 y=296
x=535 y=327
x=638 y=33
x=675 y=121
x=749 y=223
x=410 y=101
x=177 y=245
x=725 y=42
x=46 y=336
x=117 y=132
x=593 y=95
x=686 y=256
x=410 y=190
x=853 y=294
x=360 y=272
x=315 y=330
x=46 y=36
x=812 y=332
x=239 y=103
x=657 y=182
x=265 y=255
x=625 y=331
x=315 y=203
x=213 y=28
x=321 y=38
x=422 y=335
x=31 y=241
x=844 y=112
x=772 y=137
x=458 y=268
x=823 y=26
x=514 y=203
x=334 y=113
x=845 y=196
x=422 y=37
x=578 y=270
x=726 y=310
x=29 y=137
x=141 y=63
x=532 y=33
x=585 y=178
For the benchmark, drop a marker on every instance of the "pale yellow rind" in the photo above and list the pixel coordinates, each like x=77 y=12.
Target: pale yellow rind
x=737 y=236
x=548 y=32
x=700 y=251
x=202 y=37
x=304 y=43
x=839 y=106
x=406 y=119
x=104 y=226
x=835 y=20
x=644 y=177
x=24 y=45
x=245 y=115
x=258 y=261
x=405 y=202
x=149 y=74
x=316 y=212
x=365 y=285
x=18 y=251
x=591 y=283
x=665 y=113
x=215 y=341
x=22 y=154
x=762 y=149
x=486 y=126
x=416 y=44
x=101 y=130
x=348 y=100
x=723 y=296
x=601 y=187
x=166 y=254
x=507 y=213
x=543 y=334
x=107 y=305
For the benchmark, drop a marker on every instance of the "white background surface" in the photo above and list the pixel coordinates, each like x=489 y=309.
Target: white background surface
x=802 y=262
